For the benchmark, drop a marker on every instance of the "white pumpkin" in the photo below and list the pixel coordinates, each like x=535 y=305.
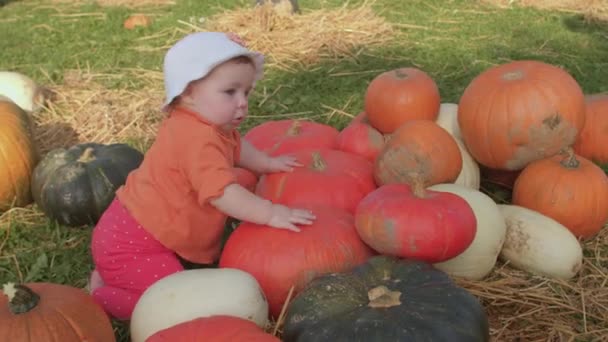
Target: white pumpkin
x=478 y=260
x=538 y=244
x=469 y=174
x=448 y=119
x=190 y=294
x=22 y=90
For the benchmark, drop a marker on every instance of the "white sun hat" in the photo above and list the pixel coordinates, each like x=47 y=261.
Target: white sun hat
x=195 y=55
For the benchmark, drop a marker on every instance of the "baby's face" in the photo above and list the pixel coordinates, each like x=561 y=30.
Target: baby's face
x=223 y=96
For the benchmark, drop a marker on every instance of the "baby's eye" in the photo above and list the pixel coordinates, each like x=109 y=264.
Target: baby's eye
x=230 y=91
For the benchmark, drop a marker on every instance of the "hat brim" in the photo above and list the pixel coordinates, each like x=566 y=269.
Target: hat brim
x=256 y=57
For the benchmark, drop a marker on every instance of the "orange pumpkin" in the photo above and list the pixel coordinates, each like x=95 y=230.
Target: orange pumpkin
x=51 y=312
x=18 y=157
x=362 y=139
x=593 y=140
x=220 y=328
x=571 y=190
x=518 y=112
x=400 y=95
x=419 y=151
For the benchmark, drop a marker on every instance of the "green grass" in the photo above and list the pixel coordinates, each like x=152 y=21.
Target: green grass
x=451 y=40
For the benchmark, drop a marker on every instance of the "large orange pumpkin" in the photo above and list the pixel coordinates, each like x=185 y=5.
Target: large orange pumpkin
x=18 y=157
x=571 y=190
x=329 y=178
x=219 y=328
x=286 y=136
x=593 y=140
x=518 y=112
x=400 y=95
x=280 y=259
x=51 y=312
x=419 y=151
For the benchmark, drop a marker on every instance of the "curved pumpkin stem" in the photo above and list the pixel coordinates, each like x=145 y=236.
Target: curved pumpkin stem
x=382 y=297
x=295 y=128
x=318 y=164
x=87 y=155
x=21 y=298
x=418 y=187
x=401 y=74
x=570 y=162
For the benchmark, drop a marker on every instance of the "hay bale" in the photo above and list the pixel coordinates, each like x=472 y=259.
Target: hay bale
x=302 y=40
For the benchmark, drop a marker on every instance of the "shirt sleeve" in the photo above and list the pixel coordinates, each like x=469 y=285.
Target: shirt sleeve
x=208 y=169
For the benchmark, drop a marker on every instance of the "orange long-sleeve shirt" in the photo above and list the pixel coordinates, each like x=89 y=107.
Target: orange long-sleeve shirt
x=190 y=162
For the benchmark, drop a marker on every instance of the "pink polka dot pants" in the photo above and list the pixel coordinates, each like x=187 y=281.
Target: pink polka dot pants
x=128 y=260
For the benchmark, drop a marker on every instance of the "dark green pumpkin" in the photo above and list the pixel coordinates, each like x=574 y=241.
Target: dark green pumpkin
x=386 y=299
x=74 y=186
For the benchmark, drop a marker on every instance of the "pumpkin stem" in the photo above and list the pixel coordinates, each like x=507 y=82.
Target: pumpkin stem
x=295 y=128
x=21 y=298
x=570 y=162
x=87 y=155
x=401 y=74
x=318 y=164
x=513 y=75
x=418 y=187
x=382 y=297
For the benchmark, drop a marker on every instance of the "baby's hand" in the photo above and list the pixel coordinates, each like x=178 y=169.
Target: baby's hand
x=286 y=218
x=284 y=163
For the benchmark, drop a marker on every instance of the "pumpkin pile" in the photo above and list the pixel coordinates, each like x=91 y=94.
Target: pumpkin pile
x=400 y=183
x=399 y=206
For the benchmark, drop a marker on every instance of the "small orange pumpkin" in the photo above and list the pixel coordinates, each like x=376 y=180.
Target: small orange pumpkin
x=518 y=112
x=571 y=190
x=399 y=95
x=136 y=20
x=51 y=312
x=19 y=156
x=593 y=140
x=419 y=151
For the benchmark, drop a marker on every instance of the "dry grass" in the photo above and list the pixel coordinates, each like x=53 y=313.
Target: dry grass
x=84 y=111
x=523 y=307
x=125 y=3
x=302 y=40
x=590 y=9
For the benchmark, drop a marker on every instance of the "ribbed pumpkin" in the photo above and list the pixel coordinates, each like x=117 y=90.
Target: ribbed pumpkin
x=35 y=312
x=328 y=178
x=386 y=299
x=286 y=136
x=518 y=112
x=419 y=151
x=219 y=328
x=396 y=96
x=280 y=259
x=74 y=186
x=593 y=140
x=18 y=157
x=411 y=222
x=569 y=189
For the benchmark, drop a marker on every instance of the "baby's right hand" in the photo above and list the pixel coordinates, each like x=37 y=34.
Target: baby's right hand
x=286 y=218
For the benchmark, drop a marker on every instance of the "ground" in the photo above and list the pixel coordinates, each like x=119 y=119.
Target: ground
x=108 y=88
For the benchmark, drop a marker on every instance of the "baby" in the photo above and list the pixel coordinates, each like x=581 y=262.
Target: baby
x=175 y=205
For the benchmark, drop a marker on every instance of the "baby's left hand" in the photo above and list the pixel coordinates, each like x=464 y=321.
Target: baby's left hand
x=284 y=163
